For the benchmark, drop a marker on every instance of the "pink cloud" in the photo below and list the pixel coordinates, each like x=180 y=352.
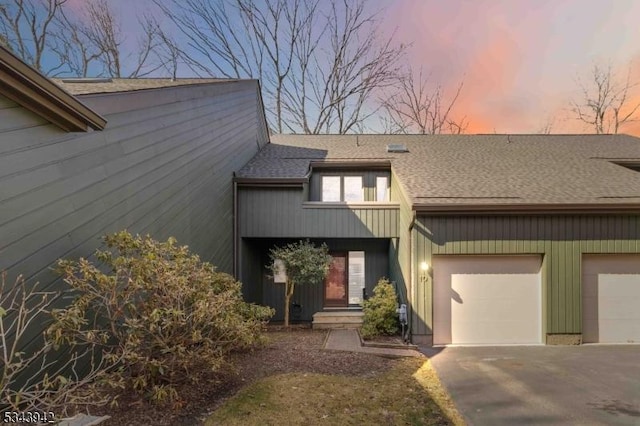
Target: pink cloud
x=518 y=59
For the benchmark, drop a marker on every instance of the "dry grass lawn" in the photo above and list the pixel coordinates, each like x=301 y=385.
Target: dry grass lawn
x=292 y=380
x=409 y=393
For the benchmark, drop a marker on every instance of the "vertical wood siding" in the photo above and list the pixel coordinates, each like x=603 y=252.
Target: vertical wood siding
x=400 y=247
x=165 y=170
x=279 y=212
x=310 y=297
x=562 y=240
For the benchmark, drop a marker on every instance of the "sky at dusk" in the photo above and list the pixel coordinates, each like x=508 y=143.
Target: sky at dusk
x=518 y=59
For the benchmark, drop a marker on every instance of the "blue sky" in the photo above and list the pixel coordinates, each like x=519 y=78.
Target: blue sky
x=518 y=59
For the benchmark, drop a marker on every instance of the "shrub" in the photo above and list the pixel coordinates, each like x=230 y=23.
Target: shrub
x=33 y=377
x=380 y=316
x=157 y=313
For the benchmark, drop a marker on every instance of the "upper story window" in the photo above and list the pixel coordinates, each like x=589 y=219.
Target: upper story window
x=353 y=189
x=342 y=188
x=331 y=188
x=350 y=186
x=382 y=188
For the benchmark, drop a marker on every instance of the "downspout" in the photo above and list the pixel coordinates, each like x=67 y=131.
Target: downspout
x=235 y=227
x=412 y=274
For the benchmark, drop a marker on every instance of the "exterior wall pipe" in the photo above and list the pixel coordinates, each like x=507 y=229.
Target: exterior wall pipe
x=235 y=227
x=412 y=272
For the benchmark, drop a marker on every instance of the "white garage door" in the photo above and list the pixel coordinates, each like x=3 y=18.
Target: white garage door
x=611 y=298
x=484 y=300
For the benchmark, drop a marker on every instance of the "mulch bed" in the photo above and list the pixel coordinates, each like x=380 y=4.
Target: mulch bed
x=296 y=350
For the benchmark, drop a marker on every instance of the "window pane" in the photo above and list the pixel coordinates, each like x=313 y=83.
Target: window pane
x=356 y=276
x=280 y=275
x=330 y=188
x=353 y=190
x=382 y=190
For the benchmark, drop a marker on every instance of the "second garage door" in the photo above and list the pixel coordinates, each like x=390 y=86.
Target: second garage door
x=610 y=298
x=485 y=300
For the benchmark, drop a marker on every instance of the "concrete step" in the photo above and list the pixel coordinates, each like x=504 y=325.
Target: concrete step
x=337 y=319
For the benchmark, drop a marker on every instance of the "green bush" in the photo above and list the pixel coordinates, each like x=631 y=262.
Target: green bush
x=380 y=316
x=156 y=312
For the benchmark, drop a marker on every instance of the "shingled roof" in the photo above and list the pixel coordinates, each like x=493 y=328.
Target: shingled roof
x=86 y=86
x=474 y=169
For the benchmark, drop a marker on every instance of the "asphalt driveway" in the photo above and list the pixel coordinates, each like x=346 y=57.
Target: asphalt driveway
x=586 y=385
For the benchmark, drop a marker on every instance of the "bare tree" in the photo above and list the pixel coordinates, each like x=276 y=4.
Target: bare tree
x=605 y=105
x=319 y=63
x=416 y=108
x=25 y=27
x=546 y=128
x=72 y=46
x=58 y=41
x=96 y=37
x=168 y=51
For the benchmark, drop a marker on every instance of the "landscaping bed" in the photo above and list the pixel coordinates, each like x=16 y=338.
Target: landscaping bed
x=384 y=341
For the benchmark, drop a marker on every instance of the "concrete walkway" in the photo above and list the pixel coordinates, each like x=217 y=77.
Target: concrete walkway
x=348 y=340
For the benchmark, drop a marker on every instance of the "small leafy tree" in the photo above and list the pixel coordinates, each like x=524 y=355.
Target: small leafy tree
x=380 y=315
x=304 y=263
x=157 y=312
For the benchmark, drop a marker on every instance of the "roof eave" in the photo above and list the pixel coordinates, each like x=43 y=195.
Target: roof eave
x=262 y=182
x=381 y=164
x=35 y=92
x=582 y=208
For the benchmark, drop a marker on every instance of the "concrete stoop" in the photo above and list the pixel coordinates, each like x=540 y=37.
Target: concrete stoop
x=337 y=320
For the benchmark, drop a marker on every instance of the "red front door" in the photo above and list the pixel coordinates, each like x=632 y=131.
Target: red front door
x=335 y=285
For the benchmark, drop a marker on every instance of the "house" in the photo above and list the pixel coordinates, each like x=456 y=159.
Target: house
x=490 y=239
x=82 y=158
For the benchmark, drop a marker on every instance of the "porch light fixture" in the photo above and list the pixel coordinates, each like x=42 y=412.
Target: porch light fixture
x=424 y=266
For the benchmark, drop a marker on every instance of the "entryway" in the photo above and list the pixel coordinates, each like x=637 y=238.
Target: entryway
x=345 y=282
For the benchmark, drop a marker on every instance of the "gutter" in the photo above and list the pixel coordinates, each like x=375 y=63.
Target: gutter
x=372 y=164
x=508 y=209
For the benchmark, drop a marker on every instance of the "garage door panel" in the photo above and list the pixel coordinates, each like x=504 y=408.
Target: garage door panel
x=488 y=332
x=611 y=295
x=618 y=331
x=620 y=295
x=494 y=286
x=487 y=300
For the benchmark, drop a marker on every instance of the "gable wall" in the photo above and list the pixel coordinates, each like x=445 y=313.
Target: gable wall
x=164 y=168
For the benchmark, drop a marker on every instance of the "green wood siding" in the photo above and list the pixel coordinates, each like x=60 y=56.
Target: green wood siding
x=400 y=248
x=164 y=169
x=280 y=212
x=560 y=239
x=310 y=297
